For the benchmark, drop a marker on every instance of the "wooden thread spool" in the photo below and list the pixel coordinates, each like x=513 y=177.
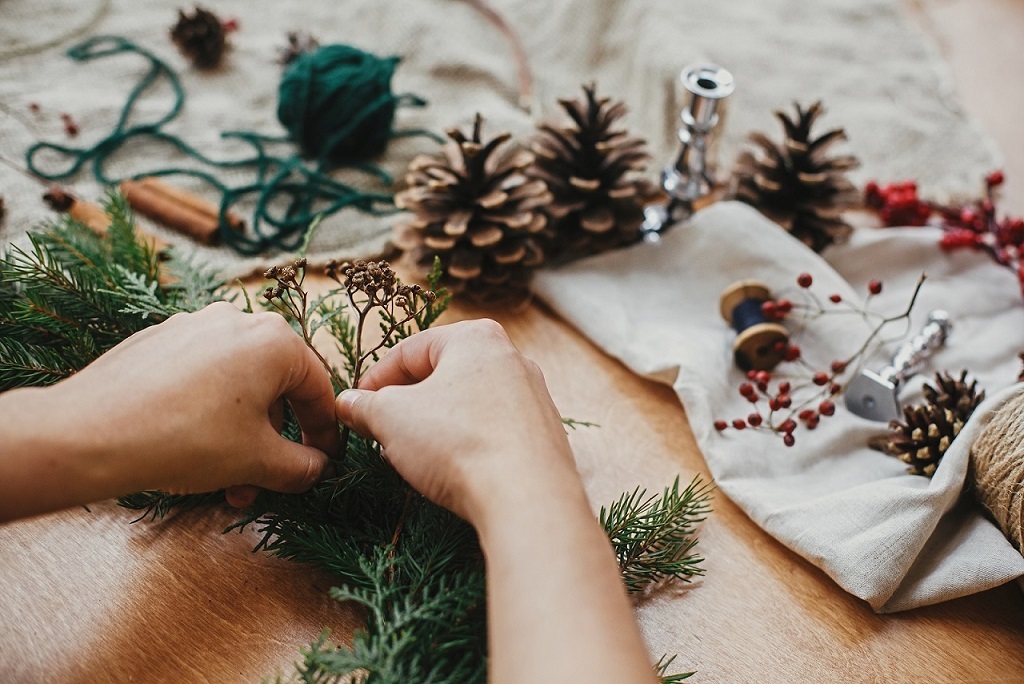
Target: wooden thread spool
x=760 y=344
x=997 y=469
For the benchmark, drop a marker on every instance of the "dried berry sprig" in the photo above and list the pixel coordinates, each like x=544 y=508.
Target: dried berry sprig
x=805 y=394
x=369 y=287
x=372 y=285
x=290 y=299
x=972 y=225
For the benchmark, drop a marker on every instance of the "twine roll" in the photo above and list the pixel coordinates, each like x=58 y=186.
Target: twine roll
x=997 y=469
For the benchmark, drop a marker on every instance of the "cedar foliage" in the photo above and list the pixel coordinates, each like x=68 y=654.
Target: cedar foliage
x=415 y=567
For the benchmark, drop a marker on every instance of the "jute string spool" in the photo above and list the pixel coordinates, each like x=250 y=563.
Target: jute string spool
x=997 y=469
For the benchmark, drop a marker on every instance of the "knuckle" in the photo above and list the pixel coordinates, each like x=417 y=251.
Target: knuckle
x=486 y=327
x=272 y=325
x=221 y=307
x=487 y=331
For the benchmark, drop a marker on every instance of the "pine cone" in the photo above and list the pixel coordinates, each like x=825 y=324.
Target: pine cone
x=1020 y=378
x=476 y=210
x=3 y=210
x=922 y=438
x=590 y=168
x=200 y=37
x=954 y=394
x=796 y=183
x=299 y=43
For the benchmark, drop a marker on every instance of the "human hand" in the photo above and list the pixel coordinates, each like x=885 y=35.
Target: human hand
x=190 y=405
x=463 y=416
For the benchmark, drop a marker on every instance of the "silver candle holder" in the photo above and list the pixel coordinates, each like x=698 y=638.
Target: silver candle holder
x=875 y=395
x=688 y=180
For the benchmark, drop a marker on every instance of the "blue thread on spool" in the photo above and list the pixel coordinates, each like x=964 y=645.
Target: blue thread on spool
x=760 y=344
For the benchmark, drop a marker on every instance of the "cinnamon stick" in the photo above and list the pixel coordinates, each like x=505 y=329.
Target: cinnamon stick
x=234 y=221
x=93 y=217
x=159 y=207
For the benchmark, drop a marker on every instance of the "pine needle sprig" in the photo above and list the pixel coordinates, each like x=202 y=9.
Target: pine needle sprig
x=661 y=669
x=653 y=536
x=71 y=295
x=157 y=505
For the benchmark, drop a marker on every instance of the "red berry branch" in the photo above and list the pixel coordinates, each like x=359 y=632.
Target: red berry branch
x=974 y=225
x=802 y=394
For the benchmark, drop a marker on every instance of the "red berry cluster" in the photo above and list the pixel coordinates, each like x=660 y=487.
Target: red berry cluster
x=804 y=395
x=897 y=204
x=974 y=225
x=778 y=399
x=70 y=126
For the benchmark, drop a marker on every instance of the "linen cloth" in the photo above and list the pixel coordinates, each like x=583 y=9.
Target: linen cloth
x=896 y=540
x=878 y=76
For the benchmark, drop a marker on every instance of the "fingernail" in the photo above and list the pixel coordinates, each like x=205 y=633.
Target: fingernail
x=349 y=397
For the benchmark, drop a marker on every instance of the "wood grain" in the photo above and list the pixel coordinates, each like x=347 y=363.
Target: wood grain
x=87 y=597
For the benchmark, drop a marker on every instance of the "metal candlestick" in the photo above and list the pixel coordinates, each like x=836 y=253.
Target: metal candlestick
x=689 y=179
x=875 y=395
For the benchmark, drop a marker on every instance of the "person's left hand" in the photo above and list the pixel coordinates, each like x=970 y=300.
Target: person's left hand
x=194 y=405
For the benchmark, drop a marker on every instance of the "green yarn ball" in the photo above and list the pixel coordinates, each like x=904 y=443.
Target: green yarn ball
x=337 y=104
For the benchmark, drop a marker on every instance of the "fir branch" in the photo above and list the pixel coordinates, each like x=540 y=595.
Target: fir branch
x=157 y=505
x=661 y=669
x=653 y=536
x=574 y=424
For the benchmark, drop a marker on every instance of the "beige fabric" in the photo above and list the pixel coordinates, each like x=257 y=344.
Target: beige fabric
x=876 y=74
x=896 y=540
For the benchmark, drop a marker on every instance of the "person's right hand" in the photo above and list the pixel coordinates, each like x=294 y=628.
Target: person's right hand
x=461 y=414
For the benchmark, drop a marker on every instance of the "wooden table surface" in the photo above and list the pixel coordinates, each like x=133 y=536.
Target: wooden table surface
x=86 y=597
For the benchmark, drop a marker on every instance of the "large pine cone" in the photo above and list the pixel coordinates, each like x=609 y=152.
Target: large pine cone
x=200 y=37
x=796 y=183
x=474 y=208
x=591 y=168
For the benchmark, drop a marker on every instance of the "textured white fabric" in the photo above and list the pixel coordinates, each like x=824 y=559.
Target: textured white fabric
x=878 y=77
x=896 y=540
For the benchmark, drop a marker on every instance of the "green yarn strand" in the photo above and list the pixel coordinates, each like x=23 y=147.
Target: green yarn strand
x=337 y=105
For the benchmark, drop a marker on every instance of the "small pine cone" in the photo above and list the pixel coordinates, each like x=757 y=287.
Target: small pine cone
x=200 y=37
x=475 y=209
x=299 y=43
x=1020 y=378
x=796 y=183
x=921 y=439
x=592 y=169
x=3 y=210
x=954 y=394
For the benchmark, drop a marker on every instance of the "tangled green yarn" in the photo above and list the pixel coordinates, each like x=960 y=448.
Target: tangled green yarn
x=337 y=106
x=336 y=102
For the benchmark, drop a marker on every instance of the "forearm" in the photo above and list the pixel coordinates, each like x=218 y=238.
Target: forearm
x=557 y=608
x=47 y=462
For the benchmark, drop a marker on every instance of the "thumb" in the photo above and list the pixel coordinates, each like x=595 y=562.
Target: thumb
x=291 y=467
x=353 y=407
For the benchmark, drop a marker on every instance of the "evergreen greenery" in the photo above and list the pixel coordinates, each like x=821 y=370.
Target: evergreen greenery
x=416 y=568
